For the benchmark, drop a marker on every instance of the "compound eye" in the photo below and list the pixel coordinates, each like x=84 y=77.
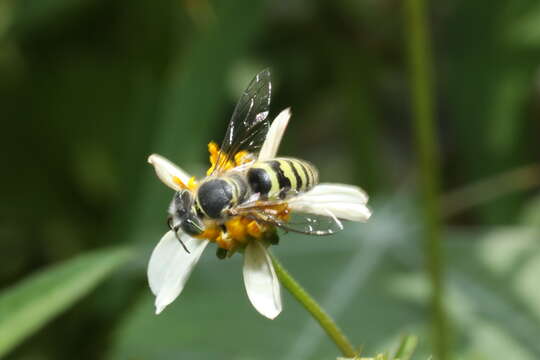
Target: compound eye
x=192 y=226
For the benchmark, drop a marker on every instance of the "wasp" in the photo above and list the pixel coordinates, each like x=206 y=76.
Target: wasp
x=249 y=191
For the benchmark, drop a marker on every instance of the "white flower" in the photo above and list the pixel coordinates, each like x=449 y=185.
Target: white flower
x=260 y=279
x=343 y=201
x=275 y=133
x=167 y=172
x=170 y=265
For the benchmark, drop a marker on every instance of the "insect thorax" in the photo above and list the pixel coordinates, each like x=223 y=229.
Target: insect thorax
x=216 y=194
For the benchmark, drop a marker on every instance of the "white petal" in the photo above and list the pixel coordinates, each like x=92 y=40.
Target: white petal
x=170 y=266
x=341 y=189
x=275 y=133
x=344 y=201
x=260 y=279
x=167 y=171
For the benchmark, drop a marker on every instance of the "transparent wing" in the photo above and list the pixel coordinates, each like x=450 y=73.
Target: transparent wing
x=272 y=212
x=249 y=123
x=312 y=224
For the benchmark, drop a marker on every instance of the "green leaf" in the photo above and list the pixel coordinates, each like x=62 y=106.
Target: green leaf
x=406 y=347
x=27 y=306
x=500 y=86
x=29 y=15
x=193 y=99
x=531 y=212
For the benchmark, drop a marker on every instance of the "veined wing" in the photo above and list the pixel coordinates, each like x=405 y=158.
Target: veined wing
x=276 y=213
x=249 y=123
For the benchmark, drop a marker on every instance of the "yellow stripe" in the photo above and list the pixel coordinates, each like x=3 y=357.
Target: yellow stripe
x=274 y=189
x=315 y=173
x=309 y=175
x=288 y=172
x=301 y=172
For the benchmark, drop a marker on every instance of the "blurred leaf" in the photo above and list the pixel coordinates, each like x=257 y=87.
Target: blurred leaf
x=346 y=273
x=531 y=212
x=525 y=28
x=192 y=100
x=371 y=279
x=488 y=94
x=406 y=347
x=29 y=14
x=492 y=188
x=493 y=311
x=27 y=306
x=377 y=357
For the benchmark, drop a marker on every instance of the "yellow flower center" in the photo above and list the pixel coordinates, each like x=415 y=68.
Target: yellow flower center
x=238 y=230
x=191 y=185
x=240 y=158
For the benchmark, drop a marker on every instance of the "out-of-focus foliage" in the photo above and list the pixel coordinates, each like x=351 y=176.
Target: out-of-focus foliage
x=373 y=282
x=89 y=88
x=29 y=305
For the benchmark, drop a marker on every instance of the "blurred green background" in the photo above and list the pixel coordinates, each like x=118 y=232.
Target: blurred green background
x=89 y=88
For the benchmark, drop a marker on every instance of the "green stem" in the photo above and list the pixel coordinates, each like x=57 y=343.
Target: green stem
x=421 y=67
x=318 y=313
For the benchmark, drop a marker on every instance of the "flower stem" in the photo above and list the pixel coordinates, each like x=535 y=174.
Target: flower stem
x=420 y=63
x=318 y=313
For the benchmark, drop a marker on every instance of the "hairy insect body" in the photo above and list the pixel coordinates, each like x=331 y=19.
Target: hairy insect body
x=247 y=193
x=219 y=193
x=274 y=179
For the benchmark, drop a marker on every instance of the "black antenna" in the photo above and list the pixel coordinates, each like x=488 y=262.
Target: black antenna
x=175 y=230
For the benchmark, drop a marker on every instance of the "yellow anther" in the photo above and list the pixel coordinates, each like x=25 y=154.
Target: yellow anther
x=192 y=183
x=213 y=148
x=179 y=182
x=241 y=157
x=210 y=233
x=224 y=241
x=236 y=229
x=254 y=229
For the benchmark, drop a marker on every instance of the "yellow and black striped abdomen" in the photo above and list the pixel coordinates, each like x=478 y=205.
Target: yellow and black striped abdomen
x=279 y=177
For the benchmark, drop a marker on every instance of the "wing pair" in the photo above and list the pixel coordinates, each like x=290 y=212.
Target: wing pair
x=250 y=130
